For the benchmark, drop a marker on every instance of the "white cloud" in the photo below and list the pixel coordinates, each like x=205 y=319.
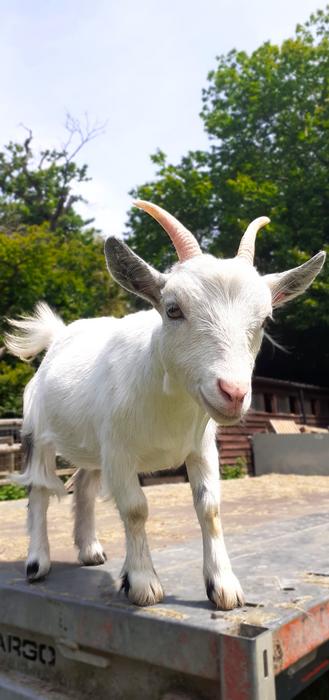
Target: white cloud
x=106 y=207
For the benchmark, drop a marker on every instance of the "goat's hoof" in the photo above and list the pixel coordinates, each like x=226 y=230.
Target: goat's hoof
x=224 y=590
x=92 y=555
x=37 y=569
x=142 y=587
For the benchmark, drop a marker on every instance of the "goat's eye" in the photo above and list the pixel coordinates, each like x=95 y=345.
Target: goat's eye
x=173 y=311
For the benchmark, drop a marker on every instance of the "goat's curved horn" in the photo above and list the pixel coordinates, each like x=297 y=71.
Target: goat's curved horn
x=247 y=244
x=185 y=243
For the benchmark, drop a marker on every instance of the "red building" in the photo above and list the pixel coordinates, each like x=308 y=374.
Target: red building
x=276 y=399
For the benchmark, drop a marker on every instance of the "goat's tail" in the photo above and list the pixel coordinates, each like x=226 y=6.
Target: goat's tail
x=35 y=333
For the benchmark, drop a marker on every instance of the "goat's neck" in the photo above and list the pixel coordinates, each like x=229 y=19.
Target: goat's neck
x=170 y=391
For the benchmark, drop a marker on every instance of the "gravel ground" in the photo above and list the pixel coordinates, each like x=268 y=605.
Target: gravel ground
x=245 y=503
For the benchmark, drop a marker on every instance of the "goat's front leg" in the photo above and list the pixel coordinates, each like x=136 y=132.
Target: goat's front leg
x=139 y=579
x=86 y=486
x=222 y=586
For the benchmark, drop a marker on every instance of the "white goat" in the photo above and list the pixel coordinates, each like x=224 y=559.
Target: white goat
x=122 y=396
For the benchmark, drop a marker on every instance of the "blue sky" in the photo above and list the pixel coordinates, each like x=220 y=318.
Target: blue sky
x=140 y=67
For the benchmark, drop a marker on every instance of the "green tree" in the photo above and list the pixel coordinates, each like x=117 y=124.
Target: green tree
x=13 y=378
x=186 y=190
x=267 y=117
x=47 y=251
x=42 y=187
x=71 y=275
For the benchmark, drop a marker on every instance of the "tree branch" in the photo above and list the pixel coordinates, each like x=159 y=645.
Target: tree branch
x=85 y=133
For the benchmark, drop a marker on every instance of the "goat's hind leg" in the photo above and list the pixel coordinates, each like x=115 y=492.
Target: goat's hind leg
x=86 y=487
x=41 y=479
x=38 y=560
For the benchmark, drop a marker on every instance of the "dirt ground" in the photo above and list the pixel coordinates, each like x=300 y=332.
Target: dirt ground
x=245 y=503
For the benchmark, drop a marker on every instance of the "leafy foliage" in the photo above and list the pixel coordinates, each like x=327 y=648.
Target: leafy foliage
x=32 y=193
x=43 y=187
x=10 y=492
x=14 y=376
x=70 y=275
x=186 y=191
x=267 y=117
x=235 y=471
x=46 y=251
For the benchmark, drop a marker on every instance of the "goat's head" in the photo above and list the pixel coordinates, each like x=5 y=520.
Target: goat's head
x=213 y=311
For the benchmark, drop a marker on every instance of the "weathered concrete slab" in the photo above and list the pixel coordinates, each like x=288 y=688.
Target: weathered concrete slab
x=291 y=454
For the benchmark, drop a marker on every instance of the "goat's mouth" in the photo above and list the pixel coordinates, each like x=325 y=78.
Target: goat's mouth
x=218 y=416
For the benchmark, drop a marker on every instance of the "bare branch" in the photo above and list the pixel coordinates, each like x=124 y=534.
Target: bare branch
x=85 y=133
x=82 y=133
x=43 y=157
x=28 y=140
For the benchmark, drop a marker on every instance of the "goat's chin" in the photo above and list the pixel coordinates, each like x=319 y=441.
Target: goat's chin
x=218 y=416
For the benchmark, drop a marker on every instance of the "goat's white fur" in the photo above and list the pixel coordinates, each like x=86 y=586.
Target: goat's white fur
x=86 y=486
x=122 y=396
x=37 y=332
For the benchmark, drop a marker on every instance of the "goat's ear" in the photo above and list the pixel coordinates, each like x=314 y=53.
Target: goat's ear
x=288 y=285
x=132 y=272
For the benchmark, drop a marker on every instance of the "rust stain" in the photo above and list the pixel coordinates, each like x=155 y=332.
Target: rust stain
x=236 y=686
x=315 y=671
x=301 y=636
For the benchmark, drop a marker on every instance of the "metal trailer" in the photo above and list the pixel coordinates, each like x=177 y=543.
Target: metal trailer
x=74 y=636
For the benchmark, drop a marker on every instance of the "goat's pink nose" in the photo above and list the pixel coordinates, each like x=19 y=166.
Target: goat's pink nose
x=234 y=392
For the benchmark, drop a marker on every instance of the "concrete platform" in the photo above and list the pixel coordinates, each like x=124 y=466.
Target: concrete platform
x=75 y=631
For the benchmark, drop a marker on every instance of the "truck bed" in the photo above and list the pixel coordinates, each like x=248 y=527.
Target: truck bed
x=73 y=635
